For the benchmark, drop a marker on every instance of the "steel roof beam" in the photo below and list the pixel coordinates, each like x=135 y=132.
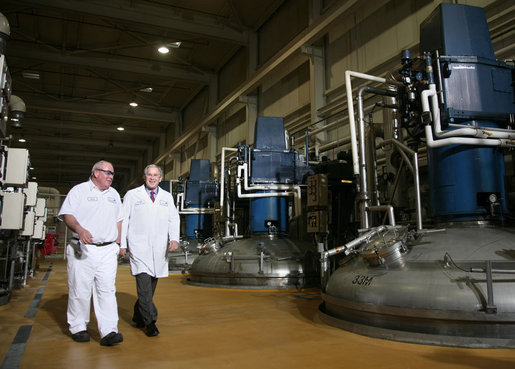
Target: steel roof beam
x=118 y=63
x=110 y=110
x=67 y=125
x=204 y=26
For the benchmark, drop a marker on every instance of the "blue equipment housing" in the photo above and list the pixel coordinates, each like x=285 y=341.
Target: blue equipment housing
x=477 y=91
x=272 y=163
x=200 y=193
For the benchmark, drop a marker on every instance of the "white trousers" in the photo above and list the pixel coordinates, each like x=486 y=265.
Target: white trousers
x=92 y=271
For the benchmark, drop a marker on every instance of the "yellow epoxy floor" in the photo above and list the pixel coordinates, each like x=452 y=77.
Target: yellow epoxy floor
x=215 y=328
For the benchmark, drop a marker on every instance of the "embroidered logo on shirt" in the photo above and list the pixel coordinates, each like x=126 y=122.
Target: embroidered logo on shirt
x=163 y=203
x=92 y=198
x=139 y=202
x=112 y=200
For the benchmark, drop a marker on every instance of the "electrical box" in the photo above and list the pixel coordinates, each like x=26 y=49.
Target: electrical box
x=28 y=227
x=317 y=190
x=41 y=207
x=317 y=221
x=39 y=230
x=17 y=167
x=32 y=194
x=12 y=210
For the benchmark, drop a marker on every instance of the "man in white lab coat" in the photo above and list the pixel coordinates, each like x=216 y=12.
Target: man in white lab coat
x=151 y=226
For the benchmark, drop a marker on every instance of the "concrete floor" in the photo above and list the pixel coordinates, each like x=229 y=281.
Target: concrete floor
x=209 y=328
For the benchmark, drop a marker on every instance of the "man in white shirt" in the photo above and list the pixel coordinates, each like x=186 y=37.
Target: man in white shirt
x=151 y=225
x=93 y=211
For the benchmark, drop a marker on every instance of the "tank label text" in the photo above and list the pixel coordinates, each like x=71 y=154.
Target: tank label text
x=362 y=280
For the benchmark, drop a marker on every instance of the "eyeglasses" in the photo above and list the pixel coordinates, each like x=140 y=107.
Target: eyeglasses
x=107 y=172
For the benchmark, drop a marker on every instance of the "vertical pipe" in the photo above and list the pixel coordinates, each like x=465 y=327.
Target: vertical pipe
x=439 y=77
x=222 y=188
x=365 y=201
x=261 y=261
x=490 y=307
x=417 y=192
x=350 y=107
x=26 y=269
x=33 y=261
x=307 y=148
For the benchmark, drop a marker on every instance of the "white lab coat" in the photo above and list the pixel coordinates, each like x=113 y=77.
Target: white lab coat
x=147 y=229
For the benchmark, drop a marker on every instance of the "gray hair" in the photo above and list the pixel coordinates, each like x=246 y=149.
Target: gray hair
x=98 y=165
x=153 y=166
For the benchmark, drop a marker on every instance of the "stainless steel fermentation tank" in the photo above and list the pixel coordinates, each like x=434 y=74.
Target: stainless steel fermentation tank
x=259 y=189
x=451 y=281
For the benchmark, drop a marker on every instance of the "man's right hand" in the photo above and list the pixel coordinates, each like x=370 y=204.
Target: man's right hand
x=84 y=236
x=72 y=223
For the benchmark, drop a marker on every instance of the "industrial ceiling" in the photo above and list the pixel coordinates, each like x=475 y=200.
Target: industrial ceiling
x=77 y=65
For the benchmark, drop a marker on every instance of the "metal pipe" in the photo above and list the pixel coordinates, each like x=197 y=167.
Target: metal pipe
x=222 y=181
x=350 y=246
x=373 y=161
x=415 y=170
x=26 y=269
x=363 y=183
x=222 y=188
x=405 y=157
x=395 y=185
x=490 y=307
x=347 y=249
x=306 y=151
x=503 y=138
x=182 y=210
x=350 y=107
x=365 y=196
x=287 y=190
x=439 y=77
x=417 y=193
x=388 y=209
x=332 y=145
x=261 y=262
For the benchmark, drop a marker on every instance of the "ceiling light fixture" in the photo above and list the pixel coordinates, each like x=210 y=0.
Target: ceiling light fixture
x=30 y=74
x=22 y=140
x=165 y=48
x=174 y=45
x=133 y=103
x=120 y=128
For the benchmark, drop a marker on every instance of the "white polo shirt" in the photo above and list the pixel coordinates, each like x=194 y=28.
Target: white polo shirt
x=95 y=210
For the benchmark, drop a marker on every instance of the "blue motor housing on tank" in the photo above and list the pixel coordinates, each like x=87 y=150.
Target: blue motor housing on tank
x=201 y=192
x=462 y=178
x=272 y=162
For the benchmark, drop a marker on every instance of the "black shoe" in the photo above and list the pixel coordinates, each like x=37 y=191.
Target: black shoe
x=151 y=330
x=82 y=336
x=111 y=339
x=139 y=323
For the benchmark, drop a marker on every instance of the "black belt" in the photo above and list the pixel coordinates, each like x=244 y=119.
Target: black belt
x=96 y=243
